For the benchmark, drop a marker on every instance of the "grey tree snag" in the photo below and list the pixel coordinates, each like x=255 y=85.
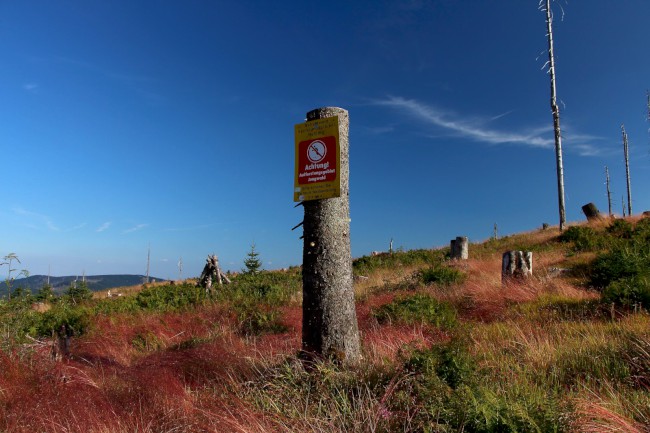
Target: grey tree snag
x=459 y=248
x=516 y=264
x=556 y=115
x=329 y=320
x=609 y=192
x=626 y=151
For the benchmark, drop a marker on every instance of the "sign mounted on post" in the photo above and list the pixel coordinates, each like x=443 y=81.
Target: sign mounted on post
x=318 y=160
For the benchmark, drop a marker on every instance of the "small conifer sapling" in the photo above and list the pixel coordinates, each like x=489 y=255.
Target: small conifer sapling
x=252 y=262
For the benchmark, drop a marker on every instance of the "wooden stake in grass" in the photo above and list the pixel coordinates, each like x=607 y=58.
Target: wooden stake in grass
x=556 y=112
x=329 y=322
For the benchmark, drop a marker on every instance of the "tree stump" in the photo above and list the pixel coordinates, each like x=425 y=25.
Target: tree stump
x=212 y=273
x=459 y=248
x=61 y=344
x=591 y=212
x=516 y=264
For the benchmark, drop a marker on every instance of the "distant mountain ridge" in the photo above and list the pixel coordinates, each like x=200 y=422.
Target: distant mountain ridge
x=95 y=282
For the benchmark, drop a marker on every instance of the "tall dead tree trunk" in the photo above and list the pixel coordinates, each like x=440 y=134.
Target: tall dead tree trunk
x=627 y=171
x=556 y=114
x=609 y=193
x=329 y=322
x=647 y=94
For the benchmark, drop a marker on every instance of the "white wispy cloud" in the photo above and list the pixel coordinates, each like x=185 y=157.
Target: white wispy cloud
x=37 y=219
x=77 y=227
x=476 y=128
x=103 y=227
x=378 y=130
x=190 y=228
x=31 y=87
x=135 y=228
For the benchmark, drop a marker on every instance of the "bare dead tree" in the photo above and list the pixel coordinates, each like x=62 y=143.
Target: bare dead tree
x=148 y=260
x=545 y=6
x=647 y=94
x=626 y=151
x=609 y=193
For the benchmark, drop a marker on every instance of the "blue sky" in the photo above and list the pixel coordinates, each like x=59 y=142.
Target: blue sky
x=134 y=123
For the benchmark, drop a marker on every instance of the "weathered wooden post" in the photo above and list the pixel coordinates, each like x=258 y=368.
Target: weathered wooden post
x=516 y=264
x=329 y=322
x=459 y=248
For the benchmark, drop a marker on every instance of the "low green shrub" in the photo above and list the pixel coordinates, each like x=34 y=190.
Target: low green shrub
x=255 y=298
x=456 y=395
x=76 y=319
x=642 y=231
x=629 y=292
x=418 y=308
x=451 y=363
x=513 y=406
x=441 y=275
x=625 y=261
x=366 y=264
x=272 y=288
x=258 y=320
x=78 y=292
x=170 y=297
x=584 y=238
x=621 y=229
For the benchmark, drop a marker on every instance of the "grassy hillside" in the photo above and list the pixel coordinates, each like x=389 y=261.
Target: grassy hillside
x=447 y=346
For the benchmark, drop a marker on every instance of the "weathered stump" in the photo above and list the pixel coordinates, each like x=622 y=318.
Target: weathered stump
x=61 y=343
x=459 y=248
x=516 y=264
x=591 y=212
x=212 y=273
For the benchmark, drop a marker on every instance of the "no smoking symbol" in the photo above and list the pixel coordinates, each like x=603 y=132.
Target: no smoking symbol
x=316 y=151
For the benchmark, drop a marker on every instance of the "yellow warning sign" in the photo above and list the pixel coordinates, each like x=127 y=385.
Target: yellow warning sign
x=318 y=160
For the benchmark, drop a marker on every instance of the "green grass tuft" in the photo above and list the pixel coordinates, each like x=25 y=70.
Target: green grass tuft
x=418 y=308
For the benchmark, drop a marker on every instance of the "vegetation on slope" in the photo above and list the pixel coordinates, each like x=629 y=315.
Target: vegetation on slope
x=447 y=348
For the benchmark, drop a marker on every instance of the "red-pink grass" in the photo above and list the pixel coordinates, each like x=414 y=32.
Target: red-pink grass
x=595 y=417
x=386 y=344
x=485 y=297
x=187 y=380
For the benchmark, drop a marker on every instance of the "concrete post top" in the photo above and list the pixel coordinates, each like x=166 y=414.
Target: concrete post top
x=322 y=112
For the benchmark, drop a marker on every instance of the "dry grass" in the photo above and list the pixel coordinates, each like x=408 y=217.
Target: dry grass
x=134 y=290
x=192 y=371
x=381 y=279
